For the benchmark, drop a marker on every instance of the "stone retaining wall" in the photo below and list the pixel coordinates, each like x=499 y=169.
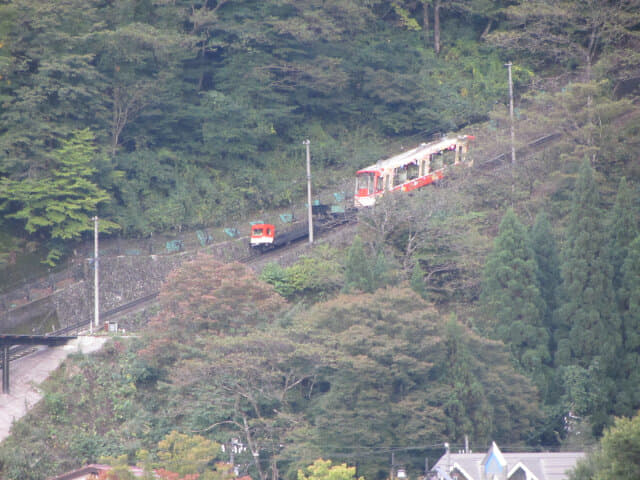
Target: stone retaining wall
x=123 y=279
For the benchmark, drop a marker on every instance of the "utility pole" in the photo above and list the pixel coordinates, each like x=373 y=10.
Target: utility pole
x=310 y=210
x=96 y=302
x=448 y=453
x=392 y=475
x=513 y=133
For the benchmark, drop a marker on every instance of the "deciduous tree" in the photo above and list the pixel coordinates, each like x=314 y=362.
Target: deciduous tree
x=616 y=456
x=324 y=470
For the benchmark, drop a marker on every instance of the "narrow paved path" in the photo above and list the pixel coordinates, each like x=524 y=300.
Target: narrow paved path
x=30 y=371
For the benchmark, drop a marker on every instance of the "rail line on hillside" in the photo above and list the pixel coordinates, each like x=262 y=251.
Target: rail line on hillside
x=350 y=218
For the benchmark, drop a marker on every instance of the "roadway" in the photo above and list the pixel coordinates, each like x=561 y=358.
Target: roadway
x=28 y=372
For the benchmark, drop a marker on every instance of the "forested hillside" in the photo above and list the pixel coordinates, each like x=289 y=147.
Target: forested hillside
x=186 y=113
x=502 y=304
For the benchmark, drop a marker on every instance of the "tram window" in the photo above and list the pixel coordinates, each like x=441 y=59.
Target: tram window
x=412 y=171
x=436 y=162
x=400 y=175
x=364 y=183
x=379 y=184
x=257 y=232
x=449 y=157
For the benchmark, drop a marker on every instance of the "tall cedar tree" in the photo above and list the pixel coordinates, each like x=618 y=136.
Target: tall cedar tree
x=589 y=325
x=624 y=229
x=545 y=249
x=589 y=338
x=628 y=400
x=512 y=297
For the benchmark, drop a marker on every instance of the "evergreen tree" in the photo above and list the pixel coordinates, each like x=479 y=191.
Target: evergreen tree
x=624 y=230
x=628 y=398
x=417 y=281
x=589 y=337
x=546 y=253
x=511 y=295
x=358 y=269
x=586 y=311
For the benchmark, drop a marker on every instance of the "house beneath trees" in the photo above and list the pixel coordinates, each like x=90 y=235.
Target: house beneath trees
x=495 y=465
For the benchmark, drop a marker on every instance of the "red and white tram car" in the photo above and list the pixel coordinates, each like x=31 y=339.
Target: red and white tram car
x=412 y=169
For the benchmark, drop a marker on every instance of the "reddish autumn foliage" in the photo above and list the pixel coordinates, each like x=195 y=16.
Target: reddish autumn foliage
x=163 y=474
x=206 y=297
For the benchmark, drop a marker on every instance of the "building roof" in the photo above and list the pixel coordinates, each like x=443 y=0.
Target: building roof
x=539 y=466
x=82 y=473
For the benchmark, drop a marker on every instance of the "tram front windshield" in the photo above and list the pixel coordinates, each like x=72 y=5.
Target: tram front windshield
x=365 y=182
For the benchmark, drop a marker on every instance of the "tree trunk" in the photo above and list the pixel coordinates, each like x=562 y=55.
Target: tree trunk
x=591 y=50
x=425 y=22
x=487 y=29
x=436 y=27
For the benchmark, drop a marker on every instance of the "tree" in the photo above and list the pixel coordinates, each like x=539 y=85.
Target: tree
x=624 y=230
x=589 y=326
x=358 y=267
x=248 y=387
x=59 y=205
x=548 y=261
x=186 y=454
x=388 y=376
x=512 y=297
x=616 y=455
x=567 y=31
x=323 y=470
x=417 y=281
x=628 y=393
x=313 y=277
x=205 y=297
x=233 y=372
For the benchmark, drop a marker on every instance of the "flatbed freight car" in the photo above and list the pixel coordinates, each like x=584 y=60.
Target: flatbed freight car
x=266 y=236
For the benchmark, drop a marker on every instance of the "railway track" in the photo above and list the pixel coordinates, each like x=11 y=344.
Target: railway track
x=532 y=145
x=346 y=219
x=20 y=351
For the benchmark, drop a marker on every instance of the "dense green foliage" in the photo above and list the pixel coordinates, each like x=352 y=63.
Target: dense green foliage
x=59 y=204
x=203 y=105
x=351 y=375
x=323 y=470
x=512 y=296
x=617 y=455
